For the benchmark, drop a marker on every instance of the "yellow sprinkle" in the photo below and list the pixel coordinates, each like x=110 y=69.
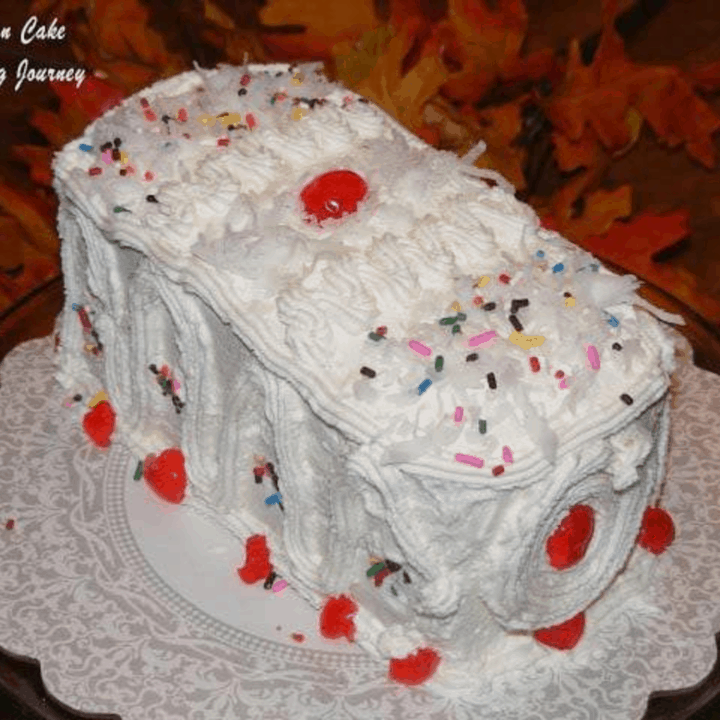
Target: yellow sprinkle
x=456 y=306
x=206 y=120
x=483 y=281
x=230 y=119
x=297 y=79
x=570 y=302
x=124 y=157
x=526 y=341
x=99 y=397
x=298 y=113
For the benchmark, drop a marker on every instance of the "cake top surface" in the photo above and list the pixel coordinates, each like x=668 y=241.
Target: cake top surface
x=416 y=308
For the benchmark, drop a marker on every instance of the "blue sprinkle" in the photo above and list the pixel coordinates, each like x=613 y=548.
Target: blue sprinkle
x=540 y=253
x=612 y=320
x=424 y=385
x=86 y=148
x=558 y=268
x=75 y=307
x=594 y=267
x=273 y=499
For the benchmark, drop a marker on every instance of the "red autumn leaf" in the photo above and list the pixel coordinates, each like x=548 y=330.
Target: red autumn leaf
x=93 y=98
x=706 y=77
x=631 y=246
x=600 y=95
x=38 y=159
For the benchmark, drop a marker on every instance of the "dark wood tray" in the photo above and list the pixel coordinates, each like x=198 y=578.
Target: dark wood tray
x=23 y=695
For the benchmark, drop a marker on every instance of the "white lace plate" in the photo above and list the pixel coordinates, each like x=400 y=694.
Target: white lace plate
x=134 y=607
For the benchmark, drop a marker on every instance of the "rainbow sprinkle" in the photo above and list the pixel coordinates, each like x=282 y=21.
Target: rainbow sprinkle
x=469 y=460
x=419 y=348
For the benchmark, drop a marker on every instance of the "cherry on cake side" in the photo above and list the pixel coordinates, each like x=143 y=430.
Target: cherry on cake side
x=570 y=540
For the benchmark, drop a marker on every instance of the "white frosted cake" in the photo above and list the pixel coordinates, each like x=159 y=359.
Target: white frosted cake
x=438 y=422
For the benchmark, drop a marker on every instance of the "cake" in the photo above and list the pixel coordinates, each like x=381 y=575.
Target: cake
x=442 y=424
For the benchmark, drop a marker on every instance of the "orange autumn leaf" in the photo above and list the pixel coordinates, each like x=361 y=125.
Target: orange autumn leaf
x=600 y=95
x=38 y=159
x=631 y=245
x=499 y=128
x=380 y=80
x=122 y=30
x=601 y=209
x=36 y=217
x=478 y=44
x=326 y=23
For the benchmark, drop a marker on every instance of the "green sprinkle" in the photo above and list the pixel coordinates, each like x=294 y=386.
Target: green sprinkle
x=461 y=317
x=449 y=320
x=375 y=569
x=138 y=471
x=120 y=208
x=374 y=336
x=456 y=329
x=483 y=426
x=439 y=362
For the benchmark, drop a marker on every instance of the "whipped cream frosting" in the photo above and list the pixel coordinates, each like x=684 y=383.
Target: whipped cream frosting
x=318 y=344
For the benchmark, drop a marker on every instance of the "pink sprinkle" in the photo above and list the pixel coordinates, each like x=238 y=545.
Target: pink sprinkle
x=469 y=460
x=175 y=385
x=182 y=115
x=593 y=357
x=245 y=80
x=150 y=116
x=563 y=384
x=107 y=157
x=251 y=121
x=458 y=414
x=481 y=338
x=419 y=348
x=144 y=102
x=279 y=585
x=507 y=454
x=94 y=171
x=149 y=176
x=223 y=142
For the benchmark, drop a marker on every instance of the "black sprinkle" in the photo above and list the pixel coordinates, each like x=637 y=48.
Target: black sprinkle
x=626 y=399
x=472 y=357
x=515 y=323
x=123 y=172
x=117 y=142
x=116 y=155
x=392 y=566
x=489 y=306
x=491 y=381
x=242 y=91
x=278 y=74
x=270 y=580
x=368 y=372
x=364 y=100
x=567 y=294
x=153 y=368
x=151 y=198
x=106 y=146
x=166 y=118
x=516 y=305
x=406 y=577
x=258 y=478
x=77 y=398
x=270 y=467
x=617 y=346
